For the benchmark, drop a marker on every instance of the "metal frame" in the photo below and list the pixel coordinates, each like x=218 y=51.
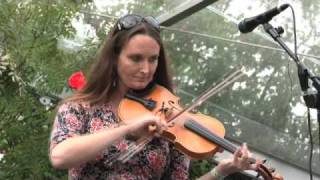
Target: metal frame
x=184 y=10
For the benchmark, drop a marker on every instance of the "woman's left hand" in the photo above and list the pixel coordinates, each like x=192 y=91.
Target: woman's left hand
x=239 y=162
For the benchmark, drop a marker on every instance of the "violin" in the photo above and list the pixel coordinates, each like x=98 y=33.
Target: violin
x=196 y=135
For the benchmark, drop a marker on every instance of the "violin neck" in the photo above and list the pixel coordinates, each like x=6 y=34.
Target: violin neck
x=207 y=134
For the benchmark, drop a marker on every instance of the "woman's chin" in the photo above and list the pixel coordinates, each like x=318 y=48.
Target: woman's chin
x=138 y=86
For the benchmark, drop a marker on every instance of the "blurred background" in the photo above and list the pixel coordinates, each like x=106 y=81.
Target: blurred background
x=42 y=43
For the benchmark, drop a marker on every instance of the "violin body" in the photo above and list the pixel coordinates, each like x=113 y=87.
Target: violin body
x=167 y=106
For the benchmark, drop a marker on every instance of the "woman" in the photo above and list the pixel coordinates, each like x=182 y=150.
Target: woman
x=87 y=136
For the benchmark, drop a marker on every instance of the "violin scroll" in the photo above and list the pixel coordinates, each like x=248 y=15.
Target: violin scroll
x=267 y=173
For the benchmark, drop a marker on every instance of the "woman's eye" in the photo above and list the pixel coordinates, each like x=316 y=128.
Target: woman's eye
x=153 y=59
x=135 y=58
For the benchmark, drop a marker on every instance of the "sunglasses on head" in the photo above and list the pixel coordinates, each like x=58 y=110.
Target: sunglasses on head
x=129 y=21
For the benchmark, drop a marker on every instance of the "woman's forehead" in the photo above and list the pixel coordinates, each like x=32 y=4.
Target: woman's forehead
x=142 y=43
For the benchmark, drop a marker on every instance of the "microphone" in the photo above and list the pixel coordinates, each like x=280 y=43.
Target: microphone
x=249 y=24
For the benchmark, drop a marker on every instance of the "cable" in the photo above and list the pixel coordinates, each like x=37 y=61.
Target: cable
x=318 y=111
x=311 y=145
x=309 y=119
x=294 y=32
x=295 y=49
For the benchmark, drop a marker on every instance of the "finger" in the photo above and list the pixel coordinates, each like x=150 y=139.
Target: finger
x=244 y=151
x=158 y=124
x=249 y=154
x=153 y=124
x=160 y=130
x=164 y=124
x=237 y=155
x=157 y=134
x=238 y=152
x=244 y=148
x=253 y=167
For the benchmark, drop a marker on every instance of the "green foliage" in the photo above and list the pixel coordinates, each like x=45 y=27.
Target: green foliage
x=29 y=32
x=24 y=140
x=200 y=167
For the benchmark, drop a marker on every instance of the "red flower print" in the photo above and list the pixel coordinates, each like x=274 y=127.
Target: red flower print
x=156 y=160
x=99 y=157
x=140 y=172
x=179 y=174
x=75 y=171
x=126 y=176
x=122 y=146
x=96 y=124
x=73 y=122
x=77 y=80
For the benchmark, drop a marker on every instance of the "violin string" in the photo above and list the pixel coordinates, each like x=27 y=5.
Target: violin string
x=212 y=136
x=227 y=145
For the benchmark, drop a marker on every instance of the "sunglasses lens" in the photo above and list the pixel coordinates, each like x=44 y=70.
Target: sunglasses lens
x=128 y=22
x=153 y=22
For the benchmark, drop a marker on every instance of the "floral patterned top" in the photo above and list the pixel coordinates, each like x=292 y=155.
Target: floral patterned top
x=157 y=160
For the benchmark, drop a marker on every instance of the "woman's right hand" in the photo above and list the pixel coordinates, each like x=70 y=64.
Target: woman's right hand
x=145 y=126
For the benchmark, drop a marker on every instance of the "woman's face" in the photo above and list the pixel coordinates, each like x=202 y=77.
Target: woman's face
x=138 y=62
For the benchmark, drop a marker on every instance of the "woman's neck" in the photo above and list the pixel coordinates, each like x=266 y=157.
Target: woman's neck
x=121 y=89
x=118 y=94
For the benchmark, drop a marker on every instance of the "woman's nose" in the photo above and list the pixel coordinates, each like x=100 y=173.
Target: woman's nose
x=145 y=67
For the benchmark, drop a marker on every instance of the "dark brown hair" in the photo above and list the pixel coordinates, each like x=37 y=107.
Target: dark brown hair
x=103 y=74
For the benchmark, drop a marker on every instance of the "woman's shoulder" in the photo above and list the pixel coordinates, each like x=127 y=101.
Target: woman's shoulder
x=82 y=105
x=75 y=105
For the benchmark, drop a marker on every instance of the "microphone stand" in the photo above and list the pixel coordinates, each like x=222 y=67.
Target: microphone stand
x=311 y=98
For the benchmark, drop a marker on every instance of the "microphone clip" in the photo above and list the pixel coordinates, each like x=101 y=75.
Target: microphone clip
x=274 y=32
